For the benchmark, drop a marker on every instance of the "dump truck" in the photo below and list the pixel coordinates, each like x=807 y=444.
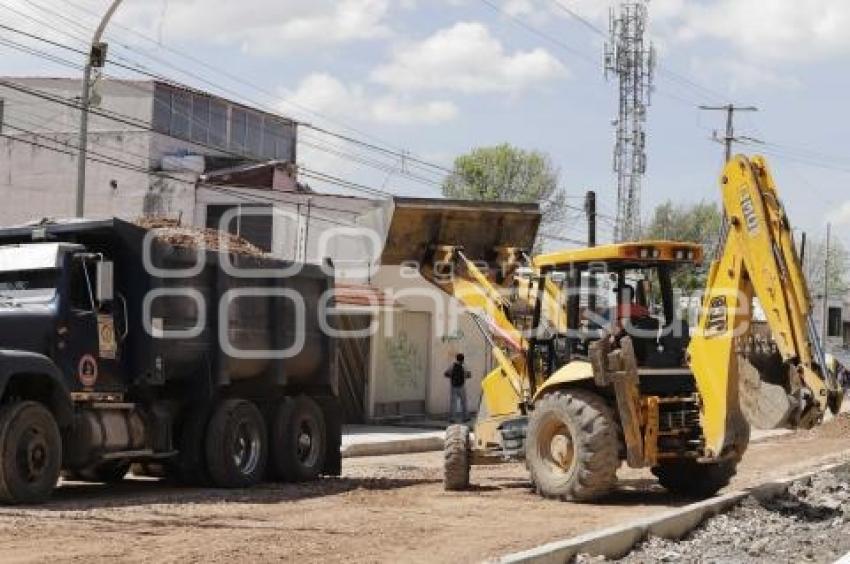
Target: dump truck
x=577 y=391
x=119 y=345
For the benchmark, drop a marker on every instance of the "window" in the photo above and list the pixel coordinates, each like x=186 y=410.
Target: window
x=200 y=119
x=82 y=289
x=218 y=124
x=256 y=226
x=254 y=134
x=181 y=110
x=834 y=322
x=162 y=110
x=237 y=129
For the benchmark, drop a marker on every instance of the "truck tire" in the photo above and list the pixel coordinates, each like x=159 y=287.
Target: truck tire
x=693 y=479
x=456 y=464
x=299 y=440
x=189 y=467
x=30 y=453
x=572 y=447
x=236 y=444
x=110 y=472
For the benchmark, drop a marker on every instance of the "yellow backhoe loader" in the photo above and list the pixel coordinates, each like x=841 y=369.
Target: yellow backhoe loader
x=580 y=387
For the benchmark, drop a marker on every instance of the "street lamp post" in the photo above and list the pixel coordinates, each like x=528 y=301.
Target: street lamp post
x=96 y=60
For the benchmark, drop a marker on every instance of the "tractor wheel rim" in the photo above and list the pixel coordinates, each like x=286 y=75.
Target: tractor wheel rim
x=246 y=448
x=557 y=447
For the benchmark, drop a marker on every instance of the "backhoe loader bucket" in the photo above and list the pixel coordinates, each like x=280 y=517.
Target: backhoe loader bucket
x=419 y=225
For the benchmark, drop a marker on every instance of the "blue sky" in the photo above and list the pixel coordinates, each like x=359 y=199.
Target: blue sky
x=437 y=78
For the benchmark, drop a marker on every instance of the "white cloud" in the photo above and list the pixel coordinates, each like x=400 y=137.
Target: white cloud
x=466 y=58
x=266 y=27
x=328 y=95
x=776 y=31
x=741 y=75
x=841 y=216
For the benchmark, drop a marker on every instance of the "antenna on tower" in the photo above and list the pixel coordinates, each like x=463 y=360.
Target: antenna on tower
x=631 y=58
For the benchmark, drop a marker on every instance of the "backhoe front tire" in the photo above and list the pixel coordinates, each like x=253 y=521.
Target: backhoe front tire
x=456 y=465
x=692 y=479
x=572 y=446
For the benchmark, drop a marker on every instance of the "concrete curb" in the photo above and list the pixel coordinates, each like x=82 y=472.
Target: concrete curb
x=401 y=446
x=616 y=542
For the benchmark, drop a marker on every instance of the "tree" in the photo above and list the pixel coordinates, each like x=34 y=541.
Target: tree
x=815 y=266
x=696 y=223
x=507 y=173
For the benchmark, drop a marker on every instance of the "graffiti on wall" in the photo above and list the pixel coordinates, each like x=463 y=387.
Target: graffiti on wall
x=407 y=361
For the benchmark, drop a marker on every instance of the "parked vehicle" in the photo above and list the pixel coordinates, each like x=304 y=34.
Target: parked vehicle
x=117 y=346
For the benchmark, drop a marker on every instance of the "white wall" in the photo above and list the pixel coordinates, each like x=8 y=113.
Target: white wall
x=452 y=331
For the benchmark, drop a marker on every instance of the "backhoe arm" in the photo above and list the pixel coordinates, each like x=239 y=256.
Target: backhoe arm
x=757 y=259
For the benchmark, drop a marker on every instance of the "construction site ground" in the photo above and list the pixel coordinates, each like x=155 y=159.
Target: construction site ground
x=383 y=509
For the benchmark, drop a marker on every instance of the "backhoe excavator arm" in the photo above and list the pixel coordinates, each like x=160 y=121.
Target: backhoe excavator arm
x=757 y=259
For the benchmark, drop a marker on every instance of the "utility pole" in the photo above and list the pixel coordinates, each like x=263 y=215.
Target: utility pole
x=826 y=266
x=590 y=211
x=730 y=138
x=94 y=64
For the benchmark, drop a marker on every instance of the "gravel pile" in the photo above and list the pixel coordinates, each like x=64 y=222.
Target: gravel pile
x=808 y=523
x=170 y=231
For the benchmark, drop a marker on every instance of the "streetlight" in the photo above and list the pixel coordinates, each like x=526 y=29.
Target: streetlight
x=96 y=61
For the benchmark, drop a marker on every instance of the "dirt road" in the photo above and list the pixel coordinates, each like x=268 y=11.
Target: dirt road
x=386 y=509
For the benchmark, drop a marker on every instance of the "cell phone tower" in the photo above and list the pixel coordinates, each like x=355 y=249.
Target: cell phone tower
x=630 y=57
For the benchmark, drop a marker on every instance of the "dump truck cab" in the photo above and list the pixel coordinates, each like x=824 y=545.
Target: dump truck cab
x=57 y=303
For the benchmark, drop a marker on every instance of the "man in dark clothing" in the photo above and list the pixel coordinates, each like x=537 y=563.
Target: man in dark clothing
x=458 y=375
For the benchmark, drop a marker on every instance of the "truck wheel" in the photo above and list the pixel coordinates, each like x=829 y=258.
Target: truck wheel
x=572 y=449
x=692 y=479
x=236 y=444
x=457 y=458
x=109 y=472
x=189 y=467
x=30 y=453
x=299 y=440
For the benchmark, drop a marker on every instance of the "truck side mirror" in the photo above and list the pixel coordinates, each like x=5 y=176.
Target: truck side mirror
x=104 y=284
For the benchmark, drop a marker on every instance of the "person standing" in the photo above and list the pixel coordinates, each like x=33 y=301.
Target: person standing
x=458 y=375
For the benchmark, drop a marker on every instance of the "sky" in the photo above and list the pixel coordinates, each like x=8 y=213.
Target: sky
x=434 y=79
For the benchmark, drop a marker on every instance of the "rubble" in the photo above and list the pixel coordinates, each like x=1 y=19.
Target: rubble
x=170 y=231
x=810 y=522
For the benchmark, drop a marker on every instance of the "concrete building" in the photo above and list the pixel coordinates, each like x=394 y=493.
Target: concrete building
x=165 y=150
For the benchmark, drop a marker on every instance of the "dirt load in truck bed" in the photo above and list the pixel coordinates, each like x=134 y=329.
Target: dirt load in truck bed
x=170 y=231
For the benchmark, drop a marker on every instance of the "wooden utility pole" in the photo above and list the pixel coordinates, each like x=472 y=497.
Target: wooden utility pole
x=826 y=267
x=590 y=211
x=730 y=138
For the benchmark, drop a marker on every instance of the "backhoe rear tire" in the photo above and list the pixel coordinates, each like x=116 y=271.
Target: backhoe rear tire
x=572 y=446
x=456 y=465
x=693 y=479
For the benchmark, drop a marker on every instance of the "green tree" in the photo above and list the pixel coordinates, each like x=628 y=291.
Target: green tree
x=815 y=266
x=507 y=173
x=695 y=223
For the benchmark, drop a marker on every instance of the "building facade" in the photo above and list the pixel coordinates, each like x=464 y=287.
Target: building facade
x=164 y=150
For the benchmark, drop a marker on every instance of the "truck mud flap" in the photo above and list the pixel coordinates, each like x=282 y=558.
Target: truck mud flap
x=332 y=410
